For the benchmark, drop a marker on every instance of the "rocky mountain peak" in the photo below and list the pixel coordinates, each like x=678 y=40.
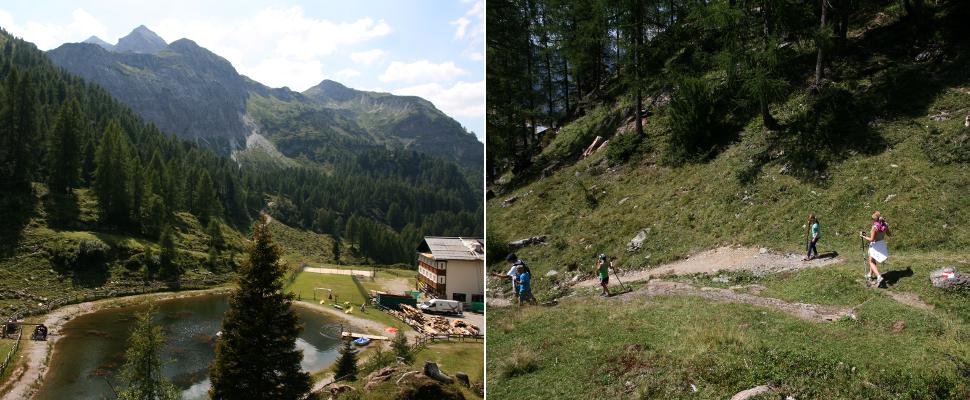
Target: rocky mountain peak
x=141 y=40
x=96 y=40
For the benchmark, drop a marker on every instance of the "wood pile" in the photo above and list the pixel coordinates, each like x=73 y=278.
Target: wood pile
x=433 y=325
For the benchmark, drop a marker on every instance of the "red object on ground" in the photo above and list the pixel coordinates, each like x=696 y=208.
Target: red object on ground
x=391 y=329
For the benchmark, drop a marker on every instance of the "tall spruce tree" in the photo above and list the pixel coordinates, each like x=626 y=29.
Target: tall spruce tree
x=256 y=356
x=64 y=148
x=167 y=255
x=142 y=372
x=204 y=195
x=18 y=129
x=346 y=366
x=112 y=175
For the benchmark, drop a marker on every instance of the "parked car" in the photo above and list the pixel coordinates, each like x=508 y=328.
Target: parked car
x=441 y=306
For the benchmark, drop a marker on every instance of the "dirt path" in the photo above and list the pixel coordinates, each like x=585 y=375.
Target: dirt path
x=335 y=271
x=909 y=299
x=809 y=312
x=31 y=366
x=759 y=261
x=375 y=328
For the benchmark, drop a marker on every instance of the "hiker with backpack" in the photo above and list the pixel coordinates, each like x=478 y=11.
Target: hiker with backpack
x=814 y=231
x=602 y=267
x=878 y=251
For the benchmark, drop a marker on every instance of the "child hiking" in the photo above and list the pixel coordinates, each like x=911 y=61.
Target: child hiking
x=524 y=279
x=602 y=267
x=878 y=251
x=814 y=232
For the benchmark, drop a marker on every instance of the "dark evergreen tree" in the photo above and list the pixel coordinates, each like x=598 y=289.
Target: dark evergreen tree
x=256 y=356
x=345 y=369
x=18 y=129
x=112 y=176
x=166 y=257
x=204 y=196
x=64 y=148
x=402 y=350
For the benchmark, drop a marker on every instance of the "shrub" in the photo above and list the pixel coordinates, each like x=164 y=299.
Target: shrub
x=62 y=254
x=833 y=121
x=623 y=146
x=693 y=122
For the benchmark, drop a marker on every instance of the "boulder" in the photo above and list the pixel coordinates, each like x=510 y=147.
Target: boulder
x=552 y=273
x=949 y=278
x=518 y=244
x=637 y=242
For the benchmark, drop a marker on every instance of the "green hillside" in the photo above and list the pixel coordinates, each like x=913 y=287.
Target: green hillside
x=885 y=130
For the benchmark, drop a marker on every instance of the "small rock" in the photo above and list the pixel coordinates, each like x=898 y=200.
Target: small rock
x=623 y=200
x=898 y=326
x=763 y=250
x=949 y=277
x=552 y=273
x=637 y=242
x=894 y=165
x=890 y=197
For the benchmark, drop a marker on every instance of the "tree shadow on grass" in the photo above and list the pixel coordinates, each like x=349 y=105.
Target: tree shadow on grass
x=16 y=210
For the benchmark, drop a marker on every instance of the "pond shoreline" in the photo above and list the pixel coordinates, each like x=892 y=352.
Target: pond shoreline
x=30 y=368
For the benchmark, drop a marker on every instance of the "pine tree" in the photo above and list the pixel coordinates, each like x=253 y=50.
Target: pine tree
x=18 y=129
x=88 y=164
x=154 y=215
x=402 y=350
x=142 y=372
x=204 y=195
x=256 y=356
x=216 y=242
x=111 y=176
x=346 y=366
x=166 y=257
x=64 y=151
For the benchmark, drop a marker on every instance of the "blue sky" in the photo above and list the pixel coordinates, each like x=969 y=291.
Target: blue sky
x=429 y=48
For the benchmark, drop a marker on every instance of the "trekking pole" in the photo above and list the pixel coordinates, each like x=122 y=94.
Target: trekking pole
x=865 y=259
x=618 y=278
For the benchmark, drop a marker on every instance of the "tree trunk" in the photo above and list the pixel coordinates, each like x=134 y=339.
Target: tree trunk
x=820 y=44
x=769 y=121
x=636 y=65
x=565 y=85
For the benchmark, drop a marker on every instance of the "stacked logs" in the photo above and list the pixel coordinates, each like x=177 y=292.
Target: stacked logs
x=433 y=325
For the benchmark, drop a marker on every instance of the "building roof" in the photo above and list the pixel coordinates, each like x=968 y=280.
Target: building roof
x=453 y=248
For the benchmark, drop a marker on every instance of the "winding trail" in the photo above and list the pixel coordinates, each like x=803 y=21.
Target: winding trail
x=805 y=311
x=759 y=261
x=729 y=258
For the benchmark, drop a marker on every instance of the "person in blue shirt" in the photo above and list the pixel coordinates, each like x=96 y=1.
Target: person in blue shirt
x=524 y=281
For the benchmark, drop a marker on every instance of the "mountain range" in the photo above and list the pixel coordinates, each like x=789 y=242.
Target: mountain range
x=195 y=94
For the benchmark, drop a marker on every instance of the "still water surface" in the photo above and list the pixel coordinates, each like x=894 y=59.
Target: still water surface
x=87 y=357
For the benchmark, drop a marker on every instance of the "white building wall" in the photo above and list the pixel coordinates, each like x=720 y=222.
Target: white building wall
x=465 y=276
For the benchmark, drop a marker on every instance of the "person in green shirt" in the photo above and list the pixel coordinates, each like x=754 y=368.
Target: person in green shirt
x=815 y=232
x=603 y=266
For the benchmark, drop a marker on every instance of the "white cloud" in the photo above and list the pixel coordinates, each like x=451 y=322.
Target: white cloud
x=463 y=99
x=291 y=41
x=347 y=73
x=421 y=71
x=49 y=36
x=462 y=24
x=471 y=27
x=367 y=57
x=298 y=75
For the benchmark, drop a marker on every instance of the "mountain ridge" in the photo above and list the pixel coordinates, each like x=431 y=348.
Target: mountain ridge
x=196 y=94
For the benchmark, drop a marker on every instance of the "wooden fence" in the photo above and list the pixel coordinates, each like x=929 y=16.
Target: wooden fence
x=13 y=350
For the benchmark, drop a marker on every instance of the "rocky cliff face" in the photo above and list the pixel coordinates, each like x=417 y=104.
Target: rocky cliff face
x=193 y=93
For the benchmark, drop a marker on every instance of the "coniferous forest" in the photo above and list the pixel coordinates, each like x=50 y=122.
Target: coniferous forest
x=62 y=132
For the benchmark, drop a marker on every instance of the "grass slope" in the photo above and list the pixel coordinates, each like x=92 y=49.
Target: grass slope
x=751 y=193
